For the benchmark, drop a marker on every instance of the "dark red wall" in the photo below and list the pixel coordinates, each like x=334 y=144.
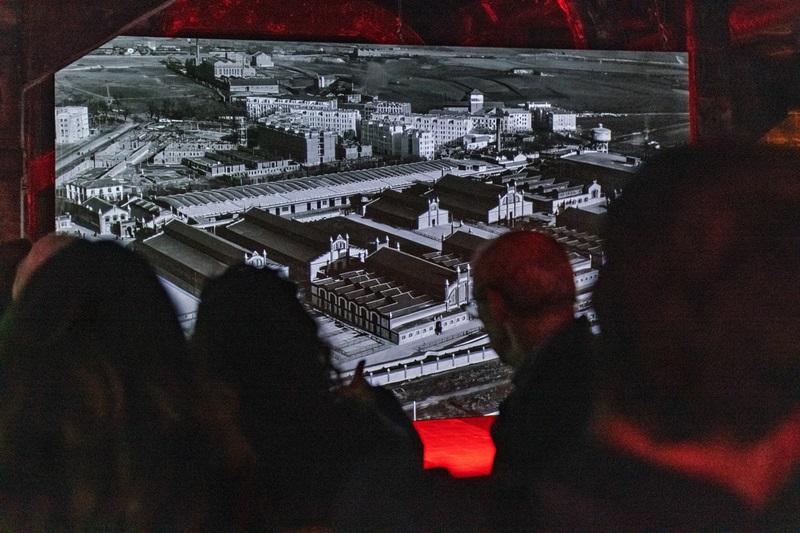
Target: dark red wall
x=743 y=55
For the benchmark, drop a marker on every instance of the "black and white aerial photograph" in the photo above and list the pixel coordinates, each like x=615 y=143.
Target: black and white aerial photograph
x=369 y=175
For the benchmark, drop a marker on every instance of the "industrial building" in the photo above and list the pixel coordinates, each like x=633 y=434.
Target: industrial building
x=299 y=195
x=189 y=257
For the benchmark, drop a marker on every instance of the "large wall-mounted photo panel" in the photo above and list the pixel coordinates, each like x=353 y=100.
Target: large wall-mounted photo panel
x=368 y=174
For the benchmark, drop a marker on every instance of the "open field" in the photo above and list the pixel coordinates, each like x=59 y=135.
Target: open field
x=582 y=81
x=430 y=83
x=133 y=82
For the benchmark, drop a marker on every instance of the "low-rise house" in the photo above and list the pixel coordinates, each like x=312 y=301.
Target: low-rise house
x=82 y=189
x=148 y=214
x=175 y=152
x=406 y=210
x=467 y=199
x=101 y=217
x=214 y=167
x=557 y=197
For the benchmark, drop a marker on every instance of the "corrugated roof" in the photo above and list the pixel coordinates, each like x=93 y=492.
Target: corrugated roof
x=248 y=232
x=194 y=249
x=277 y=193
x=402 y=265
x=385 y=298
x=364 y=235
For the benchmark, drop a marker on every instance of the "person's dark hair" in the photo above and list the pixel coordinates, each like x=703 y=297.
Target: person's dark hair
x=253 y=332
x=254 y=339
x=95 y=415
x=698 y=300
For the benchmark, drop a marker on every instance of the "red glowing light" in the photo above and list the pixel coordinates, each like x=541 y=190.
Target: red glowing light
x=461 y=445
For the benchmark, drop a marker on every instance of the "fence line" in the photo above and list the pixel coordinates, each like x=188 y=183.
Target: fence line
x=428 y=366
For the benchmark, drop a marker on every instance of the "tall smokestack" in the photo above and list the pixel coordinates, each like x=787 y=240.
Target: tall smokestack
x=498 y=130
x=197 y=52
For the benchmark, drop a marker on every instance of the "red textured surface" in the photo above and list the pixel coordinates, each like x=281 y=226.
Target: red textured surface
x=496 y=23
x=310 y=20
x=461 y=445
x=39 y=201
x=754 y=18
x=768 y=27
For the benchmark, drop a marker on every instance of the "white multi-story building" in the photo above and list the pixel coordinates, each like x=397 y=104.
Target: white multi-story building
x=396 y=138
x=554 y=119
x=533 y=106
x=445 y=128
x=417 y=143
x=560 y=120
x=384 y=136
x=260 y=106
x=519 y=120
x=511 y=120
x=304 y=145
x=72 y=124
x=106 y=189
x=385 y=107
x=340 y=120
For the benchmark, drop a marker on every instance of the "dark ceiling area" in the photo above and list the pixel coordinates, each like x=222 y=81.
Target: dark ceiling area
x=629 y=25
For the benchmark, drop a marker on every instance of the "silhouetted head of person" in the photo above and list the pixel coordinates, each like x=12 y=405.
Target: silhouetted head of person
x=38 y=254
x=524 y=288
x=698 y=300
x=94 y=403
x=253 y=334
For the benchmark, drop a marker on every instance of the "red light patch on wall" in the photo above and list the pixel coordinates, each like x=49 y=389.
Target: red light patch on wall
x=461 y=445
x=348 y=20
x=39 y=199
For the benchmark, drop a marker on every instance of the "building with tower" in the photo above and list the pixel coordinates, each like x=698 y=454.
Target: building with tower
x=475 y=101
x=406 y=210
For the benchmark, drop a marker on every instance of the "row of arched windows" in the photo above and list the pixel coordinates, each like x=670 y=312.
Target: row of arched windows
x=349 y=311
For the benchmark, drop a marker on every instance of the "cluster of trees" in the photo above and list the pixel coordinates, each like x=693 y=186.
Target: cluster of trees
x=191 y=109
x=101 y=110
